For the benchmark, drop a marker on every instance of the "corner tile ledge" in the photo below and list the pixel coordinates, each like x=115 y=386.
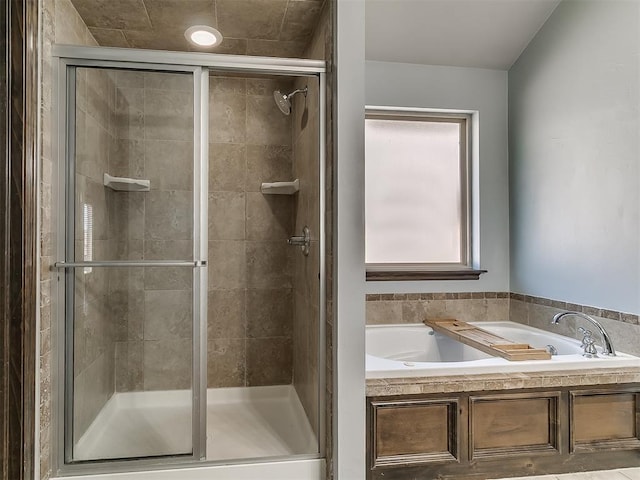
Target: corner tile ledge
x=381 y=387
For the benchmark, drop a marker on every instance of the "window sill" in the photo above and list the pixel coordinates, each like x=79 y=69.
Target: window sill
x=466 y=274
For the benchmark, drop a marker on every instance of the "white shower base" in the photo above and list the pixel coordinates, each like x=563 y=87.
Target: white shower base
x=248 y=422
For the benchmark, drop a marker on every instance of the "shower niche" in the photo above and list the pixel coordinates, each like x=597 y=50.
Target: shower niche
x=189 y=327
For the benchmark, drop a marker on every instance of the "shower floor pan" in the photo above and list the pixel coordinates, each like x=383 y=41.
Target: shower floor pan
x=244 y=422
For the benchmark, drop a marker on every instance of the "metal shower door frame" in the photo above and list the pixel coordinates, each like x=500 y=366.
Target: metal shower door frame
x=65 y=74
x=66 y=59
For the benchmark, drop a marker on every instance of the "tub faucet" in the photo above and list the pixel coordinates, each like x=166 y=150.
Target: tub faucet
x=607 y=344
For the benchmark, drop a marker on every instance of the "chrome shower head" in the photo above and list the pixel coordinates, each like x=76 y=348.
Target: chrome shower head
x=283 y=101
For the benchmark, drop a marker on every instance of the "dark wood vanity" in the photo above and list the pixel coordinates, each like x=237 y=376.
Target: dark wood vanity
x=505 y=433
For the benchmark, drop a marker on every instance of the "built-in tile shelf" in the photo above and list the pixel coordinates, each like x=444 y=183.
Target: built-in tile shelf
x=124 y=184
x=280 y=188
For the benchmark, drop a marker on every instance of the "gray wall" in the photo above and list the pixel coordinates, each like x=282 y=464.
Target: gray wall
x=471 y=89
x=574 y=178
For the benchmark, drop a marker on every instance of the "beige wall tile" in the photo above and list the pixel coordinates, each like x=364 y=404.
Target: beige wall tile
x=268 y=265
x=126 y=159
x=229 y=85
x=275 y=48
x=167 y=364
x=227 y=117
x=227 y=314
x=168 y=115
x=121 y=14
x=126 y=215
x=226 y=362
x=168 y=215
x=129 y=79
x=298 y=23
x=175 y=82
x=267 y=163
x=227 y=167
x=168 y=314
x=168 y=164
x=251 y=18
x=266 y=125
x=383 y=312
x=266 y=86
x=128 y=310
x=129 y=366
x=109 y=37
x=226 y=216
x=168 y=278
x=269 y=313
x=129 y=113
x=227 y=265
x=269 y=217
x=269 y=361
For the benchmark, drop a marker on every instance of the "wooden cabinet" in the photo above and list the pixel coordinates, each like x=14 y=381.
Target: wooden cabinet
x=511 y=433
x=414 y=432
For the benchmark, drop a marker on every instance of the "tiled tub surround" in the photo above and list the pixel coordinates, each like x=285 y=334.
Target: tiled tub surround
x=537 y=312
x=623 y=327
x=415 y=307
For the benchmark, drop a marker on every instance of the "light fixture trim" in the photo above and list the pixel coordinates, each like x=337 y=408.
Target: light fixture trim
x=203 y=35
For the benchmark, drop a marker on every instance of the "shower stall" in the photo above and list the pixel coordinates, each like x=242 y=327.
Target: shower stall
x=190 y=290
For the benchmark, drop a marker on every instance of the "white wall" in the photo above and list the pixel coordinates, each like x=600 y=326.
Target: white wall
x=481 y=90
x=574 y=145
x=348 y=233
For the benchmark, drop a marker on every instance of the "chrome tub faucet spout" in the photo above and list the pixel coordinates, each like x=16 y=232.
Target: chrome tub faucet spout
x=607 y=344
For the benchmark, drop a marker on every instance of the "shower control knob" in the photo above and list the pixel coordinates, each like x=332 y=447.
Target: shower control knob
x=303 y=241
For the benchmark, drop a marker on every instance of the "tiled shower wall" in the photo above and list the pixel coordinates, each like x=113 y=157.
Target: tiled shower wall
x=306 y=292
x=250 y=264
x=153 y=306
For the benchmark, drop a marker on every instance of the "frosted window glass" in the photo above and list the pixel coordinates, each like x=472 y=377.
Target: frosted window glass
x=413 y=192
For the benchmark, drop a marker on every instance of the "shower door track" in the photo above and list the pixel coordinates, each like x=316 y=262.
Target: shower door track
x=66 y=59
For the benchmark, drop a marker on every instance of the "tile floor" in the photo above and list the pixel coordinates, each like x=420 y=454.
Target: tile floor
x=620 y=474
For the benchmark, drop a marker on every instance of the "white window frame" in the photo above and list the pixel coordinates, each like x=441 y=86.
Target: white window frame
x=465 y=269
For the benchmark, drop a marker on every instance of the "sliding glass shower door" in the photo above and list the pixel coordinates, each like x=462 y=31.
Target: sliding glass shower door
x=133 y=264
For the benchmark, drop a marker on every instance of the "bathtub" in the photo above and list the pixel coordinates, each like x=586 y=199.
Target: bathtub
x=415 y=350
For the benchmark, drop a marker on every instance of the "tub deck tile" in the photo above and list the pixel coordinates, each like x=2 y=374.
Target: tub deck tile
x=499 y=381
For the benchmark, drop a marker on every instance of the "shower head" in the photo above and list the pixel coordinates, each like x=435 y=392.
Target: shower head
x=283 y=101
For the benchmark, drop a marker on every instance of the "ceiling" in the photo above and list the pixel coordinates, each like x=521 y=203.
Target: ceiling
x=250 y=27
x=464 y=33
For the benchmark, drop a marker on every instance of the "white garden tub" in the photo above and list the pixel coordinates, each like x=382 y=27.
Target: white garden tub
x=415 y=350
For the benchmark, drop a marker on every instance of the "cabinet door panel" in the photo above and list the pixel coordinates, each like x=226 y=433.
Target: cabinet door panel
x=414 y=432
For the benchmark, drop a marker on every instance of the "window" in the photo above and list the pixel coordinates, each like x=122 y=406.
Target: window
x=417 y=209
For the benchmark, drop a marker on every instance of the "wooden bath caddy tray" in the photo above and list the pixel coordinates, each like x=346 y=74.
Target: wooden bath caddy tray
x=486 y=341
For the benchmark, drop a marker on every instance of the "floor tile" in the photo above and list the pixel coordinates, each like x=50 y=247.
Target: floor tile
x=631 y=473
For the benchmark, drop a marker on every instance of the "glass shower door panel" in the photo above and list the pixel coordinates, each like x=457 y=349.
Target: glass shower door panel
x=129 y=313
x=133 y=357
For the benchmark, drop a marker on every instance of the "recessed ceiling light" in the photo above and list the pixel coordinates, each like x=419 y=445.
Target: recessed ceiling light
x=203 y=35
